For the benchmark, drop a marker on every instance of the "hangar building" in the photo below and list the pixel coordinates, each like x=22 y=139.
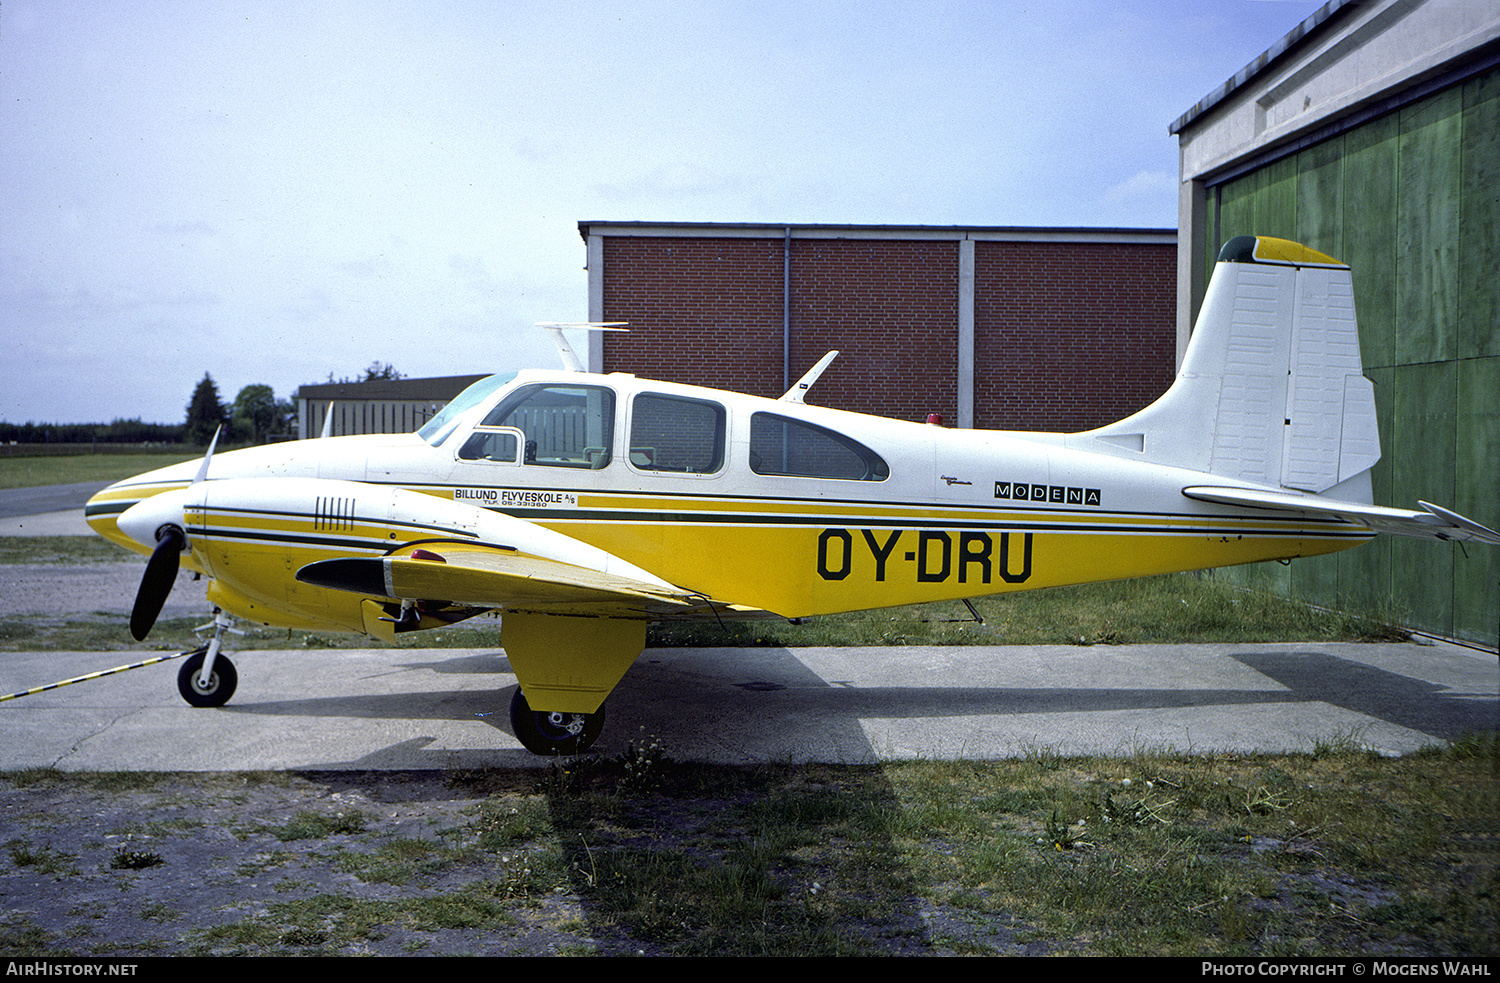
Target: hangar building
x=379 y=406
x=1371 y=133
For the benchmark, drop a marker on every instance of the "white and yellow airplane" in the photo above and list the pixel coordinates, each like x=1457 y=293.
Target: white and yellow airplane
x=582 y=507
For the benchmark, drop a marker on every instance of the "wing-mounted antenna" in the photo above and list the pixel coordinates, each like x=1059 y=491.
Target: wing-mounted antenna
x=328 y=421
x=797 y=392
x=564 y=350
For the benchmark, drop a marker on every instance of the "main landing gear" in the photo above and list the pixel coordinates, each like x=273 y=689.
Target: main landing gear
x=551 y=732
x=208 y=679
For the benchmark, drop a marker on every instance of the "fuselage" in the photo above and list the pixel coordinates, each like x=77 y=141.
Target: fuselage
x=764 y=504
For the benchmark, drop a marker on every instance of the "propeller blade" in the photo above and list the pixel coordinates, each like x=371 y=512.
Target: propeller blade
x=161 y=573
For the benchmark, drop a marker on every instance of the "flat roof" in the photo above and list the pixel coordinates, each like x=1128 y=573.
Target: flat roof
x=1297 y=35
x=754 y=230
x=433 y=387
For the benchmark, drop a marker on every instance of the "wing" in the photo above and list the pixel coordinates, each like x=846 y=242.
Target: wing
x=494 y=576
x=1434 y=523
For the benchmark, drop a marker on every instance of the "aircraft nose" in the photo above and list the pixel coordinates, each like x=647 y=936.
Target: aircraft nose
x=141 y=521
x=104 y=507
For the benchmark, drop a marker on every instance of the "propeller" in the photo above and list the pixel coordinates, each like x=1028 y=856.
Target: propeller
x=161 y=574
x=161 y=516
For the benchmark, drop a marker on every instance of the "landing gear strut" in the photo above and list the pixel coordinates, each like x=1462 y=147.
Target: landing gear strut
x=551 y=732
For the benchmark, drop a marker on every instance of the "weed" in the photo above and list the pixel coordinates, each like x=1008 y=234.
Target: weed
x=504 y=822
x=1063 y=836
x=397 y=861
x=310 y=825
x=1260 y=801
x=642 y=766
x=19 y=934
x=1137 y=813
x=44 y=859
x=128 y=859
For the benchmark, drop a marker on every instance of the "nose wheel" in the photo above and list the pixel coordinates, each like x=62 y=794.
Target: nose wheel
x=213 y=692
x=208 y=679
x=553 y=732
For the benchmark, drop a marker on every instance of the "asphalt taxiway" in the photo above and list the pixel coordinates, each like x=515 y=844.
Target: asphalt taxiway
x=47 y=510
x=396 y=709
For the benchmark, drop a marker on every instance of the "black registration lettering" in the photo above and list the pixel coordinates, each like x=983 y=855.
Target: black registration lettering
x=974 y=547
x=1005 y=563
x=845 y=549
x=880 y=553
x=933 y=561
x=927 y=574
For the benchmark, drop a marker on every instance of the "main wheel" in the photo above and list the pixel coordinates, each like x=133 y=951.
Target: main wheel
x=221 y=682
x=551 y=732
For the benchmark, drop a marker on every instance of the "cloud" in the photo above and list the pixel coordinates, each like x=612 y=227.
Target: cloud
x=1143 y=186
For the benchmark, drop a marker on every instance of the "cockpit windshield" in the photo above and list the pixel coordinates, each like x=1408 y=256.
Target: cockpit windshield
x=439 y=427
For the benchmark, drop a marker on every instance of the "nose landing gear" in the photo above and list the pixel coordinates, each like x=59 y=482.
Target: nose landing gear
x=207 y=678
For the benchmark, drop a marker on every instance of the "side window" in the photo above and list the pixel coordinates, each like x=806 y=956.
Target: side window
x=561 y=426
x=493 y=444
x=780 y=445
x=670 y=433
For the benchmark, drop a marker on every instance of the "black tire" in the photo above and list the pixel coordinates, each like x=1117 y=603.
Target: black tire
x=553 y=734
x=221 y=682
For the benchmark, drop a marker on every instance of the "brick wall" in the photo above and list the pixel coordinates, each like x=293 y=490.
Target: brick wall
x=1067 y=335
x=891 y=309
x=705 y=311
x=1071 y=336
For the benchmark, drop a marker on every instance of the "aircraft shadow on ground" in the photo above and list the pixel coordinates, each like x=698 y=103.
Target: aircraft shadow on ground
x=1375 y=692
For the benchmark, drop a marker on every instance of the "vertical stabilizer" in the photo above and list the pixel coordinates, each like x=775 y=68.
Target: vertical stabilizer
x=1271 y=389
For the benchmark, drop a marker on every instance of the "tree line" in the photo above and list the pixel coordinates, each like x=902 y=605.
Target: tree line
x=255 y=416
x=116 y=432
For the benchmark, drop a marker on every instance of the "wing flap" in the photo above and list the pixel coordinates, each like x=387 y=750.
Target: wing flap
x=1434 y=523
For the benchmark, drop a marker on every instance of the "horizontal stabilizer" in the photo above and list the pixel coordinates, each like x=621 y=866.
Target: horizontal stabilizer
x=1434 y=523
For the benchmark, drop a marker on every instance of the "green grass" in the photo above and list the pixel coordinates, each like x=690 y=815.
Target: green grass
x=1147 y=854
x=1339 y=852
x=1159 y=610
x=64 y=550
x=1162 y=609
x=32 y=472
x=311 y=825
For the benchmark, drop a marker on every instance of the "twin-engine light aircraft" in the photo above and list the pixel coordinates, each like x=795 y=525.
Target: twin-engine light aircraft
x=582 y=507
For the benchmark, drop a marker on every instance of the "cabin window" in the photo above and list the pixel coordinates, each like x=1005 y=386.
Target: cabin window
x=780 y=445
x=561 y=426
x=671 y=433
x=501 y=445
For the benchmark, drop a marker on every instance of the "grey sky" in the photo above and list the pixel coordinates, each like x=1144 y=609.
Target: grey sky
x=275 y=192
